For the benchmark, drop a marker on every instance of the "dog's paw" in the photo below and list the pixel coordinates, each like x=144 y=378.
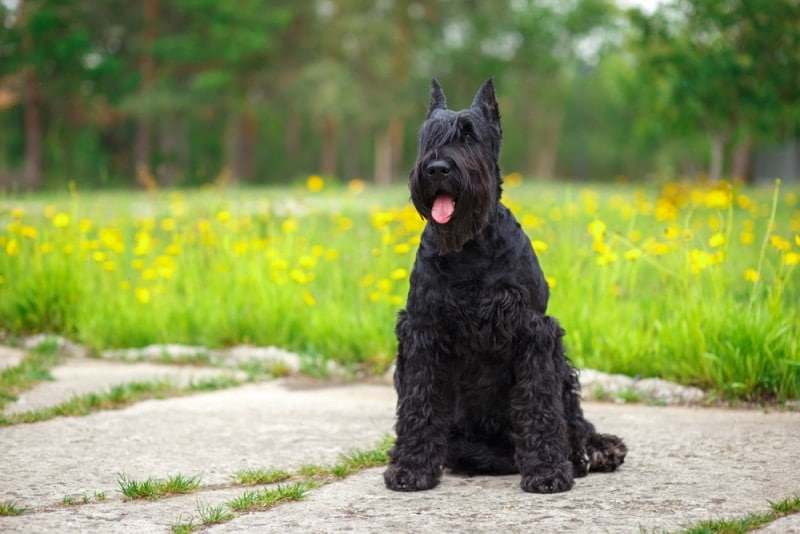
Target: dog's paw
x=606 y=452
x=399 y=478
x=580 y=463
x=548 y=479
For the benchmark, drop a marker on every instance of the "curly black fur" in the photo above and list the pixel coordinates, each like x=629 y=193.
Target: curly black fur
x=483 y=383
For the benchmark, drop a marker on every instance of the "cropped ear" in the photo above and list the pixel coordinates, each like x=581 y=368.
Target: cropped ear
x=486 y=102
x=438 y=100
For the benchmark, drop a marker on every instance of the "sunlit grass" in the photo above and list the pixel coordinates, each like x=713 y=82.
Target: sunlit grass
x=691 y=282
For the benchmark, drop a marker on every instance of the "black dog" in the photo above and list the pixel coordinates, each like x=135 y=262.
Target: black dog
x=483 y=384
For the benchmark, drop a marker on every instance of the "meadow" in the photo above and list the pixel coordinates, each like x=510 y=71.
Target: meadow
x=693 y=282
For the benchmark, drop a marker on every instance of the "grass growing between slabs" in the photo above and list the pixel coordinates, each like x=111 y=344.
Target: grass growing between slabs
x=120 y=396
x=749 y=522
x=691 y=282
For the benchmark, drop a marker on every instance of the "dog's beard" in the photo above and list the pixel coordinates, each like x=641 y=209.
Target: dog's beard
x=458 y=208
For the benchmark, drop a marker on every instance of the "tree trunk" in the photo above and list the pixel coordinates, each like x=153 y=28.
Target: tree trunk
x=718 y=142
x=32 y=177
x=142 y=151
x=32 y=101
x=330 y=146
x=383 y=158
x=741 y=167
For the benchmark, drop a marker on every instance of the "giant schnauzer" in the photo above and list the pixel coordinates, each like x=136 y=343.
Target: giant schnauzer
x=483 y=384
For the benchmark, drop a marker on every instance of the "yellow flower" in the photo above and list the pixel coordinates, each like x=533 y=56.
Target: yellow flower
x=531 y=221
x=607 y=257
x=356 y=186
x=224 y=216
x=550 y=281
x=142 y=295
x=289 y=226
x=17 y=213
x=29 y=232
x=399 y=274
x=513 y=179
x=308 y=298
x=168 y=224
x=299 y=276
x=633 y=254
x=751 y=275
x=109 y=266
x=672 y=232
x=747 y=238
x=716 y=240
x=699 y=260
x=780 y=243
x=402 y=248
x=61 y=220
x=12 y=247
x=315 y=183
x=791 y=258
x=797 y=240
x=307 y=262
x=539 y=246
x=717 y=199
x=597 y=229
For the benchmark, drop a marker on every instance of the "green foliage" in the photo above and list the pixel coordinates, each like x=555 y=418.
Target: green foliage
x=704 y=277
x=155 y=488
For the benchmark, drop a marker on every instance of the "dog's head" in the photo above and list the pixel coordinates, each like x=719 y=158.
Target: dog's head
x=455 y=183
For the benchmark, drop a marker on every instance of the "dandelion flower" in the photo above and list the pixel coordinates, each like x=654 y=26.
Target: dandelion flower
x=751 y=275
x=308 y=298
x=780 y=243
x=597 y=229
x=716 y=240
x=539 y=246
x=633 y=254
x=142 y=295
x=399 y=274
x=791 y=258
x=550 y=281
x=12 y=247
x=315 y=183
x=61 y=220
x=356 y=186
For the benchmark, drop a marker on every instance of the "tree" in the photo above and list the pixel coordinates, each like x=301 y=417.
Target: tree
x=729 y=68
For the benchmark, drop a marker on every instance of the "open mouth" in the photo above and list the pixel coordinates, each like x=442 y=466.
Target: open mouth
x=444 y=205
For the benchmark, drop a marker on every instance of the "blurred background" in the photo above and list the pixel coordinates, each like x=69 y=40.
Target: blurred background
x=172 y=93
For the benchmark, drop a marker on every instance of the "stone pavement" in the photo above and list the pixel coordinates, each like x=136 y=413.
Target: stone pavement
x=685 y=464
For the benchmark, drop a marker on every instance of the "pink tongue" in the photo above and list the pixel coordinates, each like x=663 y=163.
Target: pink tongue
x=443 y=207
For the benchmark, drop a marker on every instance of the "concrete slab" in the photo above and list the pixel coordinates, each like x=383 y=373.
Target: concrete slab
x=684 y=465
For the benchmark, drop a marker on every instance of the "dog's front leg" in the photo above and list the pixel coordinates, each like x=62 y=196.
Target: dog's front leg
x=423 y=409
x=537 y=411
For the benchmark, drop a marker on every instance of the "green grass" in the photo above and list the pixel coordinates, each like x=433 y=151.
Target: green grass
x=256 y=476
x=748 y=522
x=10 y=508
x=120 y=396
x=33 y=369
x=153 y=488
x=697 y=283
x=305 y=479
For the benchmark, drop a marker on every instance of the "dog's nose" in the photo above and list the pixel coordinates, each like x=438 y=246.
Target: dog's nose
x=437 y=169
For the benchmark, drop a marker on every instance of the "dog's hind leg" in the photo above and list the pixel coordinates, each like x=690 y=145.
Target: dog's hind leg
x=590 y=451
